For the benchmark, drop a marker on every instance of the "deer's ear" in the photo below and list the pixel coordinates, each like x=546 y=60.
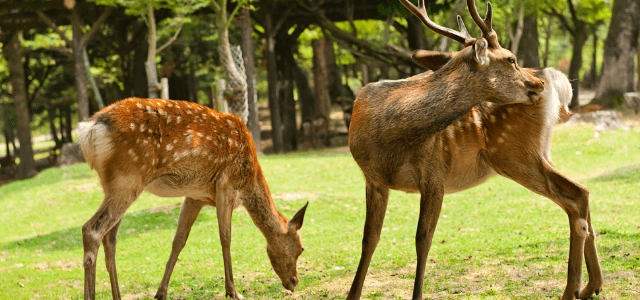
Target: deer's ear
x=480 y=53
x=433 y=60
x=298 y=218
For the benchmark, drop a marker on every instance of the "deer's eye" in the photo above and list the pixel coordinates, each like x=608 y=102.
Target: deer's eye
x=511 y=60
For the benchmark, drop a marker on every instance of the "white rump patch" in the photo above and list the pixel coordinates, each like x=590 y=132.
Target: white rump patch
x=96 y=142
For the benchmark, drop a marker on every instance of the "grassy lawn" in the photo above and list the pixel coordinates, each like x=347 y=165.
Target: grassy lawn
x=496 y=241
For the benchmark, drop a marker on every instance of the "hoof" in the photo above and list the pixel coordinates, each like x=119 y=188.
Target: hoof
x=577 y=294
x=598 y=292
x=159 y=297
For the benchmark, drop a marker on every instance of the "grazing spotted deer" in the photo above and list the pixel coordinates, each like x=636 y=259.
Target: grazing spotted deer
x=449 y=130
x=173 y=149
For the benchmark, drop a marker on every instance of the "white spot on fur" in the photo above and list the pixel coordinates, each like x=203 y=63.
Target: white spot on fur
x=189 y=112
x=209 y=137
x=139 y=105
x=169 y=104
x=492 y=118
x=200 y=134
x=162 y=112
x=143 y=127
x=169 y=147
x=168 y=119
x=500 y=140
x=178 y=119
x=132 y=126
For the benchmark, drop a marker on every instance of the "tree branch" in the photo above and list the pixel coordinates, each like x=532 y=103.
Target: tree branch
x=53 y=26
x=171 y=40
x=563 y=20
x=63 y=50
x=390 y=55
x=96 y=25
x=574 y=14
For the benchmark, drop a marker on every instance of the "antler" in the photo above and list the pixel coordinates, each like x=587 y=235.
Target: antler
x=485 y=24
x=461 y=36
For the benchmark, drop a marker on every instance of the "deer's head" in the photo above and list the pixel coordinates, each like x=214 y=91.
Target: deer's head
x=285 y=249
x=490 y=69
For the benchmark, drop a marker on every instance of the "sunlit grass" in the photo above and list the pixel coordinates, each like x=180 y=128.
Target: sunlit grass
x=496 y=241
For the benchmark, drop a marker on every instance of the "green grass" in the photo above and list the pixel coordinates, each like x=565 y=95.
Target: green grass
x=496 y=241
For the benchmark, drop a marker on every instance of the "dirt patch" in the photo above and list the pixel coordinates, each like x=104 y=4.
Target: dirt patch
x=87 y=187
x=167 y=207
x=294 y=196
x=138 y=296
x=64 y=264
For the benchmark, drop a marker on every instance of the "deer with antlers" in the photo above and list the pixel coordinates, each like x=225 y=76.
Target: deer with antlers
x=173 y=149
x=479 y=114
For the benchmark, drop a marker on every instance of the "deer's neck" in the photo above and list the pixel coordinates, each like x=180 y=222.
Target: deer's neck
x=261 y=208
x=428 y=105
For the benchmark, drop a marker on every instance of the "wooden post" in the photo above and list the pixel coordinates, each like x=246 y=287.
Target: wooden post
x=165 y=88
x=223 y=106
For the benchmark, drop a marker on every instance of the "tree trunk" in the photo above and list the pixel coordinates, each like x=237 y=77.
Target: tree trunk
x=52 y=126
x=61 y=125
x=150 y=64
x=528 y=49
x=517 y=35
x=67 y=124
x=617 y=73
x=579 y=39
x=594 y=59
x=13 y=52
x=249 y=67
x=80 y=75
x=235 y=81
x=321 y=77
x=306 y=96
x=547 y=38
x=332 y=70
x=272 y=77
x=8 y=131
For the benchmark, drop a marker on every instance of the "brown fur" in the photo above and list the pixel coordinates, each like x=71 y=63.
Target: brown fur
x=176 y=148
x=510 y=140
x=438 y=132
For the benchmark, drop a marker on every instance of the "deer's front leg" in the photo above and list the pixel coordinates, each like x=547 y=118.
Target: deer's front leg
x=109 y=241
x=224 y=209
x=431 y=196
x=188 y=215
x=377 y=196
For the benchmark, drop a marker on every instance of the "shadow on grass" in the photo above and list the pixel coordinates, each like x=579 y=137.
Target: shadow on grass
x=625 y=174
x=71 y=238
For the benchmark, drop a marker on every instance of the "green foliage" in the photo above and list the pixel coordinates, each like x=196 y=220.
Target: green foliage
x=495 y=241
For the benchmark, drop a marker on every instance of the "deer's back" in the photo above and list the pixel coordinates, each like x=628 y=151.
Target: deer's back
x=173 y=148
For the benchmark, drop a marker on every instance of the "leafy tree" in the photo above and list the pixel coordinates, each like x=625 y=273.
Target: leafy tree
x=619 y=51
x=582 y=13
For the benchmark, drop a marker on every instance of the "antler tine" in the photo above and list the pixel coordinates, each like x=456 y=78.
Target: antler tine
x=485 y=24
x=463 y=29
x=421 y=13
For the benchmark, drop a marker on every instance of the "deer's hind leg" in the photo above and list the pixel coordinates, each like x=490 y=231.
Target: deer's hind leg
x=188 y=215
x=118 y=197
x=539 y=176
x=109 y=241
